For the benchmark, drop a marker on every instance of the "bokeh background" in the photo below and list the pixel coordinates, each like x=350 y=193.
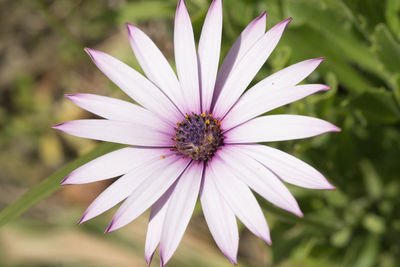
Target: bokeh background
x=42 y=58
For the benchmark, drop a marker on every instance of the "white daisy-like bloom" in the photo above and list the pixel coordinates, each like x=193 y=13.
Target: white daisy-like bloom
x=197 y=133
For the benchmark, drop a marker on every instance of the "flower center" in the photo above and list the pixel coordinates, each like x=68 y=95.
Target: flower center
x=198 y=136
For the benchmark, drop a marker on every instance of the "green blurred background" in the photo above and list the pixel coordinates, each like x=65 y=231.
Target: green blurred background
x=42 y=58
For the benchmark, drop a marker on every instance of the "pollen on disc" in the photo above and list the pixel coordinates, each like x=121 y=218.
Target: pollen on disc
x=198 y=137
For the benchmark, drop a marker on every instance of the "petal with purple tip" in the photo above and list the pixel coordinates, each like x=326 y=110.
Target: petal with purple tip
x=254 y=31
x=118 y=110
x=156 y=221
x=135 y=85
x=148 y=192
x=180 y=210
x=278 y=128
x=220 y=218
x=186 y=59
x=208 y=51
x=154 y=64
x=257 y=102
x=288 y=168
x=116 y=132
x=124 y=186
x=247 y=68
x=291 y=75
x=260 y=179
x=239 y=197
x=114 y=164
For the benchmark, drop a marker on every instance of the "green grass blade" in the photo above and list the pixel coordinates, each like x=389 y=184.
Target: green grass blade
x=49 y=185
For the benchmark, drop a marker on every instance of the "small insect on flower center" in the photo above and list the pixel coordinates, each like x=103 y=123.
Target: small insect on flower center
x=198 y=136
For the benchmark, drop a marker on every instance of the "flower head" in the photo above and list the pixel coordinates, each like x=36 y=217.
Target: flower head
x=197 y=134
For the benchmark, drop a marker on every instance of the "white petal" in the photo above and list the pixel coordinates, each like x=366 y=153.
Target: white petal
x=290 y=169
x=136 y=86
x=124 y=186
x=209 y=51
x=118 y=110
x=154 y=64
x=180 y=209
x=148 y=192
x=278 y=128
x=117 y=132
x=254 y=31
x=156 y=222
x=220 y=218
x=256 y=102
x=186 y=59
x=291 y=75
x=260 y=179
x=239 y=198
x=114 y=164
x=247 y=68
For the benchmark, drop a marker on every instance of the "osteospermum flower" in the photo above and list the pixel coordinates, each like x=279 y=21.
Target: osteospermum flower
x=198 y=134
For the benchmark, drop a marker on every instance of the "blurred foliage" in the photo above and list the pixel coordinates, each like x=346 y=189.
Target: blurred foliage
x=356 y=225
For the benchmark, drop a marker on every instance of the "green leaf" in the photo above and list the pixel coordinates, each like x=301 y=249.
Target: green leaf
x=396 y=87
x=333 y=28
x=392 y=16
x=368 y=13
x=284 y=216
x=50 y=185
x=368 y=255
x=374 y=223
x=372 y=179
x=378 y=106
x=341 y=237
x=387 y=49
x=308 y=44
x=141 y=11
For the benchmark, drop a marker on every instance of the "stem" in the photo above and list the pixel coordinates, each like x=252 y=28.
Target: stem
x=50 y=185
